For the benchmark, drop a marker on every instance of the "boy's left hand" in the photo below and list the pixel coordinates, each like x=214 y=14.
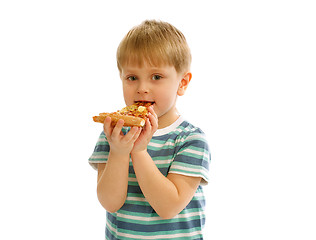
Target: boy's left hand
x=147 y=133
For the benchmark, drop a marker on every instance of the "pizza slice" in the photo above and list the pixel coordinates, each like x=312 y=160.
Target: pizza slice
x=133 y=115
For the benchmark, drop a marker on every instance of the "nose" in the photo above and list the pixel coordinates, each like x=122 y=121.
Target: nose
x=142 y=88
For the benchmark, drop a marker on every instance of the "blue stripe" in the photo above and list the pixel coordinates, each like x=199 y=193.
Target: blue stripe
x=191 y=161
x=102 y=148
x=162 y=152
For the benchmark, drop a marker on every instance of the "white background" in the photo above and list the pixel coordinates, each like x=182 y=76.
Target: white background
x=252 y=92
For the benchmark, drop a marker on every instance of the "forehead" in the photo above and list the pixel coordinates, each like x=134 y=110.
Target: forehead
x=147 y=67
x=141 y=60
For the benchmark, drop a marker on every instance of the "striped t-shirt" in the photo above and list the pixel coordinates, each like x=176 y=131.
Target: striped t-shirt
x=180 y=148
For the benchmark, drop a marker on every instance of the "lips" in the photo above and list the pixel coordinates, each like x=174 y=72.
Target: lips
x=145 y=101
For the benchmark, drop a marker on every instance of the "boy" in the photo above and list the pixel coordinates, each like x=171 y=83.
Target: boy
x=149 y=180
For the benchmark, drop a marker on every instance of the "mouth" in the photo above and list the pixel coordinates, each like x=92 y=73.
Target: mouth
x=145 y=102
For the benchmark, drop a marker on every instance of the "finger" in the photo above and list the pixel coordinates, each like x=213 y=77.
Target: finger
x=148 y=125
x=137 y=134
x=118 y=128
x=153 y=117
x=151 y=110
x=107 y=127
x=130 y=135
x=153 y=121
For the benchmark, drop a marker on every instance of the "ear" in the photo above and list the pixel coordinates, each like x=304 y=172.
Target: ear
x=184 y=83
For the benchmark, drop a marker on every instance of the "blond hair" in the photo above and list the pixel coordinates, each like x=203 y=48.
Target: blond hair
x=157 y=43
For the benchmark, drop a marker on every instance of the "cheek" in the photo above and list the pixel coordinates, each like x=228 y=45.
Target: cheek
x=125 y=93
x=166 y=96
x=128 y=94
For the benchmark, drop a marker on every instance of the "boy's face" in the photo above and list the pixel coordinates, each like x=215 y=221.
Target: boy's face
x=160 y=85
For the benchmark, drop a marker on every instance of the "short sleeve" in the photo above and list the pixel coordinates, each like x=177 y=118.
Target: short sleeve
x=192 y=157
x=101 y=152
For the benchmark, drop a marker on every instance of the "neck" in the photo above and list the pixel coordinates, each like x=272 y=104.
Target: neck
x=168 y=118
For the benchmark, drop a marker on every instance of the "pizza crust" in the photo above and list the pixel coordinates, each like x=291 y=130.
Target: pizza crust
x=129 y=121
x=133 y=115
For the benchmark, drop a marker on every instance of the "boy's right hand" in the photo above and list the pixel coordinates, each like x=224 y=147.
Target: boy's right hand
x=120 y=143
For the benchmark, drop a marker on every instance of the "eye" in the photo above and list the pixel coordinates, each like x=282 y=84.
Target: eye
x=132 y=78
x=156 y=77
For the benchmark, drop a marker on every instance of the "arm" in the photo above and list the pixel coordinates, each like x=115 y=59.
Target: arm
x=167 y=195
x=112 y=182
x=113 y=176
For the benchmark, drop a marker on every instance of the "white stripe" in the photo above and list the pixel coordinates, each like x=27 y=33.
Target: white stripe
x=132 y=179
x=101 y=140
x=166 y=161
x=99 y=156
x=158 y=145
x=137 y=199
x=204 y=154
x=189 y=169
x=188 y=150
